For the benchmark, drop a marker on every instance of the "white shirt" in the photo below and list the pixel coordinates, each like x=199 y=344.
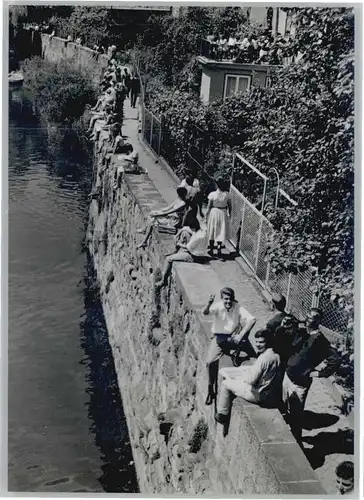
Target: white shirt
x=228 y=321
x=197 y=245
x=264 y=374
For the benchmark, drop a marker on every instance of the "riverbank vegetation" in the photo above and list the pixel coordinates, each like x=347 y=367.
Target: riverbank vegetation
x=60 y=91
x=60 y=94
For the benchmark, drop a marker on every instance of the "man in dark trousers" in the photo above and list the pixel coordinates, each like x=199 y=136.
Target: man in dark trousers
x=126 y=81
x=311 y=351
x=134 y=90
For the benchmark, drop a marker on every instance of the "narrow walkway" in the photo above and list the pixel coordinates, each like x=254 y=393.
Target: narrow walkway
x=329 y=435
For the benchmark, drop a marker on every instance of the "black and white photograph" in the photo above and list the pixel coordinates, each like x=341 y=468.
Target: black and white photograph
x=181 y=196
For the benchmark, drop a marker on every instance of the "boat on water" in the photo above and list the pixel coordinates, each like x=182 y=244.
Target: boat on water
x=15 y=79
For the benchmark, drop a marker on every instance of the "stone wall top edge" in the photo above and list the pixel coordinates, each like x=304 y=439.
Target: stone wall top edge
x=80 y=47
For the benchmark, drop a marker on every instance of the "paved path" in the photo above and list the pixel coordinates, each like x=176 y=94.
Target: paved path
x=329 y=439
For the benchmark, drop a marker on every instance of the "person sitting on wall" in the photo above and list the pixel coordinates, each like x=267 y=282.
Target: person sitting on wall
x=259 y=383
x=230 y=329
x=102 y=116
x=113 y=127
x=167 y=220
x=192 y=245
x=131 y=164
x=345 y=477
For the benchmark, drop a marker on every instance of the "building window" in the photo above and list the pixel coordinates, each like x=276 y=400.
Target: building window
x=268 y=81
x=234 y=84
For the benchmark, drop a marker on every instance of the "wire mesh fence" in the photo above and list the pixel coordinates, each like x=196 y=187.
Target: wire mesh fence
x=334 y=317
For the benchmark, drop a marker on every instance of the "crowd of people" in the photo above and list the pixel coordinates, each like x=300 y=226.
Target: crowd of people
x=262 y=49
x=108 y=113
x=288 y=354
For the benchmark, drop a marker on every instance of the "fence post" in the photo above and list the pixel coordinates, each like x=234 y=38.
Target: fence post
x=264 y=195
x=258 y=242
x=160 y=136
x=232 y=170
x=151 y=130
x=242 y=228
x=143 y=120
x=267 y=276
x=288 y=289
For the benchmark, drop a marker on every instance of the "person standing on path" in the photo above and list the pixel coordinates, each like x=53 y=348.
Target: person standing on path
x=279 y=304
x=134 y=90
x=217 y=215
x=126 y=81
x=259 y=383
x=310 y=352
x=230 y=329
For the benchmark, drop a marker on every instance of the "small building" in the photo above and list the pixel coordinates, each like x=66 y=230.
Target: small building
x=222 y=79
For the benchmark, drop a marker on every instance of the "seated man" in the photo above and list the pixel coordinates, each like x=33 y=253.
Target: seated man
x=191 y=241
x=258 y=383
x=231 y=327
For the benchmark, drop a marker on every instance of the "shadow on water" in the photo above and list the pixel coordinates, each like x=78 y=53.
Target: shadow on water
x=105 y=406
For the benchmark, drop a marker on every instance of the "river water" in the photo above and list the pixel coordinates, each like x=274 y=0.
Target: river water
x=66 y=426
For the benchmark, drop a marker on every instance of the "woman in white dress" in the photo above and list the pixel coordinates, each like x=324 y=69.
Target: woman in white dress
x=218 y=214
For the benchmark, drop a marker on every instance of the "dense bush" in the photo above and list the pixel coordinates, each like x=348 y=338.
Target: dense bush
x=168 y=45
x=60 y=92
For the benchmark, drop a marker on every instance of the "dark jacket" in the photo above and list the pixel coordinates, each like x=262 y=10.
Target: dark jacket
x=275 y=322
x=310 y=351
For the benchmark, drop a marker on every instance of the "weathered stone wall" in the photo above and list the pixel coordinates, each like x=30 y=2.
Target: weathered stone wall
x=56 y=49
x=159 y=345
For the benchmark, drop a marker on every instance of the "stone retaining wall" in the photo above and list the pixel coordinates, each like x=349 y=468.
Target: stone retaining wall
x=159 y=344
x=56 y=49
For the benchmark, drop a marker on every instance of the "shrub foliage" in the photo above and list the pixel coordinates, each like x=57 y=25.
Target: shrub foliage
x=60 y=91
